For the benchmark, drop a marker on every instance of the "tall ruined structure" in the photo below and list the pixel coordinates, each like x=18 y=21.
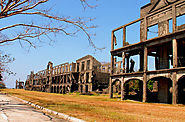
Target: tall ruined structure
x=86 y=75
x=165 y=82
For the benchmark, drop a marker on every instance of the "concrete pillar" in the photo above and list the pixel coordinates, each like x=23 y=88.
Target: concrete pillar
x=145 y=59
x=85 y=65
x=85 y=75
x=174 y=46
x=144 y=87
x=122 y=89
x=90 y=88
x=175 y=88
x=110 y=88
x=119 y=67
x=112 y=64
x=124 y=36
x=84 y=87
x=123 y=61
x=174 y=18
x=145 y=75
x=145 y=28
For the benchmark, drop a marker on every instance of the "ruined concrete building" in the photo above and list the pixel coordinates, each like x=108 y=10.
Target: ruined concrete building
x=19 y=84
x=86 y=75
x=157 y=63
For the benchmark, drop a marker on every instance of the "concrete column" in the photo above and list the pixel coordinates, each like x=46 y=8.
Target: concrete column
x=85 y=77
x=119 y=67
x=174 y=18
x=123 y=60
x=145 y=59
x=91 y=64
x=124 y=36
x=175 y=88
x=174 y=45
x=144 y=87
x=84 y=87
x=90 y=88
x=112 y=64
x=110 y=88
x=80 y=66
x=122 y=89
x=145 y=28
x=85 y=65
x=112 y=41
x=90 y=77
x=145 y=75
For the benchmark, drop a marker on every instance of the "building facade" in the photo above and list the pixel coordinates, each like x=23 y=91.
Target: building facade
x=86 y=75
x=160 y=60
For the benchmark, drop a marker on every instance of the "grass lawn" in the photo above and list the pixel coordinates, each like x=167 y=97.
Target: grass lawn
x=100 y=108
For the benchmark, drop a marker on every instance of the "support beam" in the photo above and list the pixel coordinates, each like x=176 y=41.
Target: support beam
x=175 y=88
x=144 y=87
x=145 y=28
x=145 y=59
x=112 y=41
x=174 y=44
x=123 y=61
x=110 y=88
x=112 y=64
x=124 y=36
x=122 y=89
x=174 y=18
x=145 y=75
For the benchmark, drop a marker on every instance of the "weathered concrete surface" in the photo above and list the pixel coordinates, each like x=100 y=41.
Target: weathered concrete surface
x=12 y=110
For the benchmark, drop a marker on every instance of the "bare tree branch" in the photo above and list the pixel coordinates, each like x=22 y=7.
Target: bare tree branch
x=11 y=8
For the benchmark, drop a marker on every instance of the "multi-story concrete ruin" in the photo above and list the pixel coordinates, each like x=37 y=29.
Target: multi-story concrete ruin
x=160 y=60
x=86 y=75
x=19 y=84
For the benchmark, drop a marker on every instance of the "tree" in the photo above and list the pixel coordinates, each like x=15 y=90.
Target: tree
x=4 y=61
x=31 y=31
x=2 y=85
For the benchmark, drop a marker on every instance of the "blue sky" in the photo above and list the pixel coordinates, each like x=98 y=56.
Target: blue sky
x=109 y=15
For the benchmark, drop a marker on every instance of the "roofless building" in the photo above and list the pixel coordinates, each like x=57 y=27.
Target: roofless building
x=160 y=60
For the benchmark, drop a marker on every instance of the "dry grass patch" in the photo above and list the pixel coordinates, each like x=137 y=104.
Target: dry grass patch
x=101 y=108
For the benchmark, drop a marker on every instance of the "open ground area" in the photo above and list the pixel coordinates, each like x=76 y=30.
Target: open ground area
x=12 y=110
x=101 y=108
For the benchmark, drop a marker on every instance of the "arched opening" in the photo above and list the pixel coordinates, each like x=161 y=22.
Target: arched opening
x=134 y=89
x=159 y=90
x=116 y=87
x=181 y=90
